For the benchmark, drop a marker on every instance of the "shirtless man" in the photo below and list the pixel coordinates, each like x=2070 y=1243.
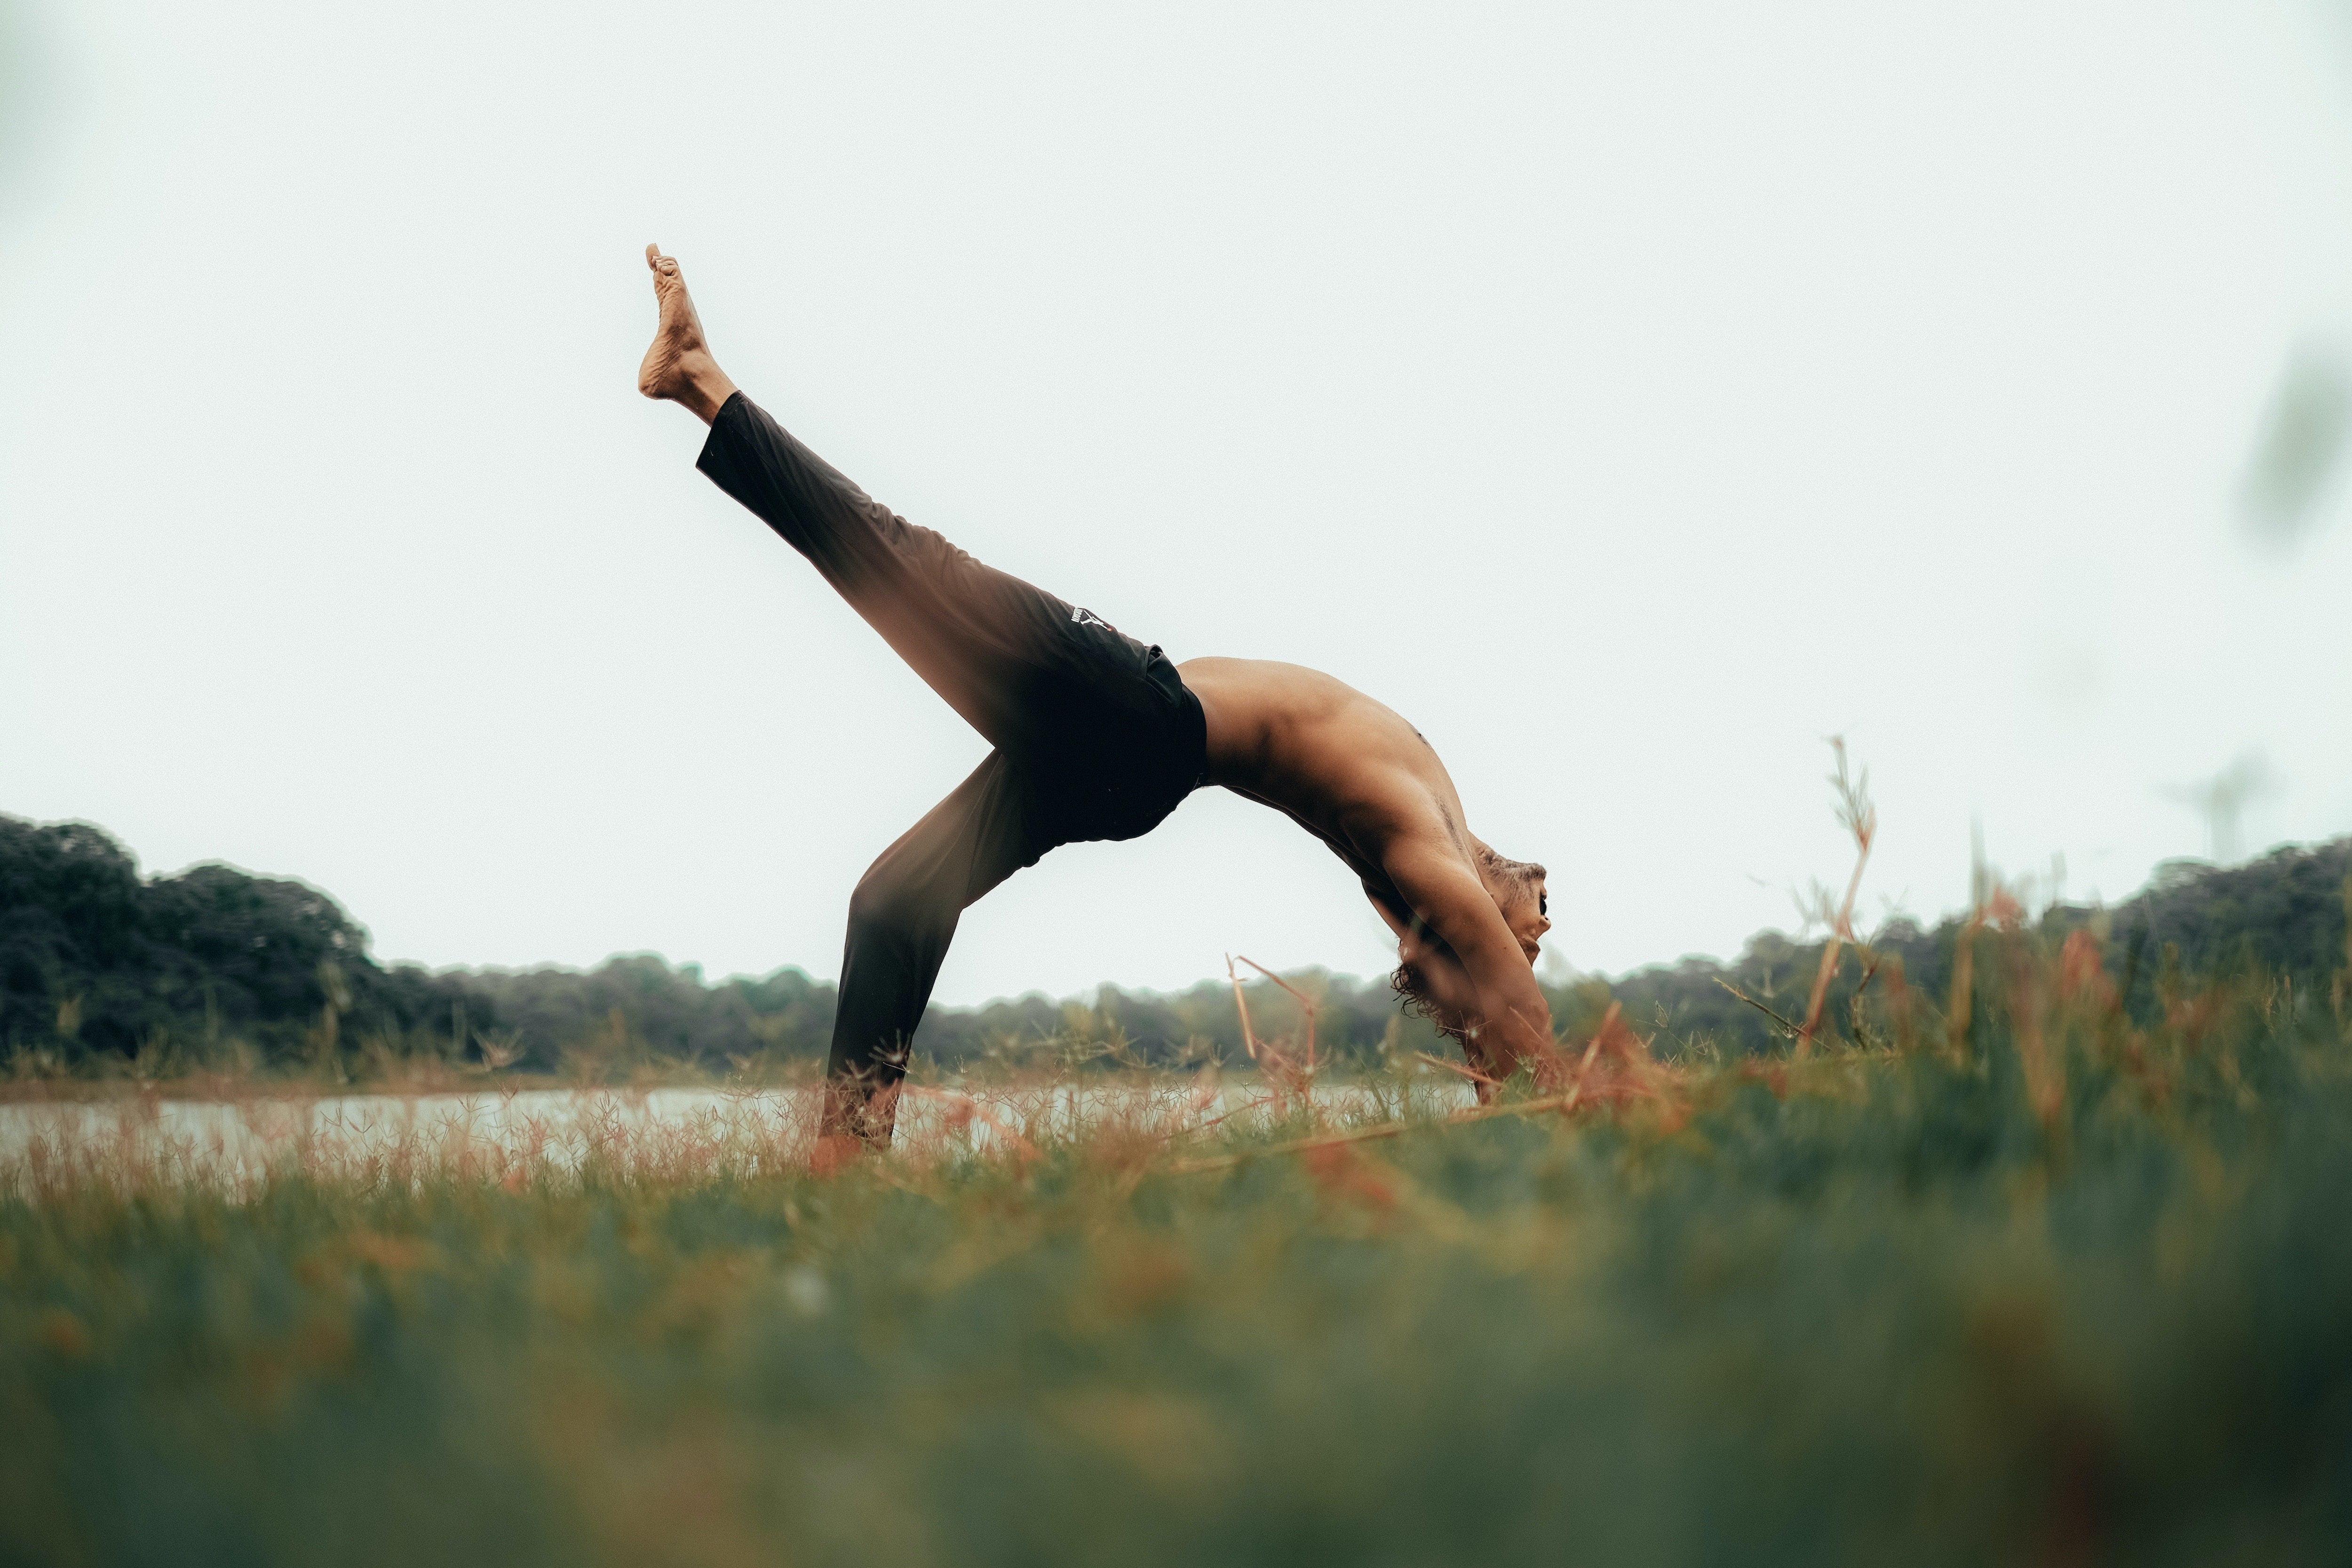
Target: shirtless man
x=1099 y=737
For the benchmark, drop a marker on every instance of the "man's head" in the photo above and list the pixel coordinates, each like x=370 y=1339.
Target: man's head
x=1521 y=898
x=1518 y=891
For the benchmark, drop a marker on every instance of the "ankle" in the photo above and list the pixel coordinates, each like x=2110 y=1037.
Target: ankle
x=707 y=388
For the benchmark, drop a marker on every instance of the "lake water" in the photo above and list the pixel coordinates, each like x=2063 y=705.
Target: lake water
x=495 y=1132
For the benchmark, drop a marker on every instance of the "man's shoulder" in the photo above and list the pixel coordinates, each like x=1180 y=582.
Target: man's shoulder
x=1387 y=808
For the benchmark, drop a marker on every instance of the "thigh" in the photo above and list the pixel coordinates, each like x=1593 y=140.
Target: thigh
x=988 y=826
x=1018 y=823
x=1032 y=672
x=975 y=636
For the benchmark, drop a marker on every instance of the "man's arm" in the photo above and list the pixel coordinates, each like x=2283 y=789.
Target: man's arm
x=1473 y=967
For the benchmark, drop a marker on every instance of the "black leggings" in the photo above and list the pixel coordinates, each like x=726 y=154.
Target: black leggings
x=1096 y=736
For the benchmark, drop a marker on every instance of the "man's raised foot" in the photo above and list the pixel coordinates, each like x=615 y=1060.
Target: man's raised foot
x=678 y=368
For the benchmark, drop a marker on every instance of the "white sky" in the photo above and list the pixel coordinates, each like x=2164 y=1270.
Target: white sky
x=1631 y=395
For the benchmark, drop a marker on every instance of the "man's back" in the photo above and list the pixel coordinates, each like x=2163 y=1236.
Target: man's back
x=1348 y=769
x=1355 y=773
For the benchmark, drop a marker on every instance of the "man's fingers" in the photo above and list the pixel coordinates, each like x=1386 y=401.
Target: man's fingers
x=653 y=257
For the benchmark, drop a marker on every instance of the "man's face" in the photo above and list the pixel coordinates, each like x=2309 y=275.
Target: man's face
x=1526 y=905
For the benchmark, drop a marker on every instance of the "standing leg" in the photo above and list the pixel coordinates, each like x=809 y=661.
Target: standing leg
x=901 y=919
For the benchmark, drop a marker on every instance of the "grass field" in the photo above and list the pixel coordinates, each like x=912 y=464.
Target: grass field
x=2036 y=1283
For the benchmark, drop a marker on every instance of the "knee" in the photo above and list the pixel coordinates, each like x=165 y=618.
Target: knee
x=887 y=899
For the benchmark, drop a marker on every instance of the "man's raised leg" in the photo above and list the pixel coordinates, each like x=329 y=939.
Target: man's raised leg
x=1011 y=659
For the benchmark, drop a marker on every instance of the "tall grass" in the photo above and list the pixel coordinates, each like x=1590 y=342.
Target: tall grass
x=2037 y=1284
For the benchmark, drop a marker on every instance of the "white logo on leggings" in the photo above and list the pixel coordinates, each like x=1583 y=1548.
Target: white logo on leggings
x=1088 y=618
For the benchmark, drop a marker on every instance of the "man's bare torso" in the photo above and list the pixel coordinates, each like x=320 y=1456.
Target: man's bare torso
x=1348 y=769
x=1354 y=774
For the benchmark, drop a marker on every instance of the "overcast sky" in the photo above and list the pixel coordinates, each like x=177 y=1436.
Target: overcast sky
x=1630 y=396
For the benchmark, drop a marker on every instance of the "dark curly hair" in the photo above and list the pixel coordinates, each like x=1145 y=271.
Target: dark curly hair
x=1412 y=994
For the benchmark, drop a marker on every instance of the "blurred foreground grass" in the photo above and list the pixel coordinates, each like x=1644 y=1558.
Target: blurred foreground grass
x=2041 y=1284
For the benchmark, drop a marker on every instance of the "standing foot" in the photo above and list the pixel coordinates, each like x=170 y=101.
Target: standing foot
x=855 y=1116
x=678 y=368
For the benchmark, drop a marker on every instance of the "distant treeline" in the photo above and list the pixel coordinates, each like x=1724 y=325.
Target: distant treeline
x=94 y=959
x=2282 y=917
